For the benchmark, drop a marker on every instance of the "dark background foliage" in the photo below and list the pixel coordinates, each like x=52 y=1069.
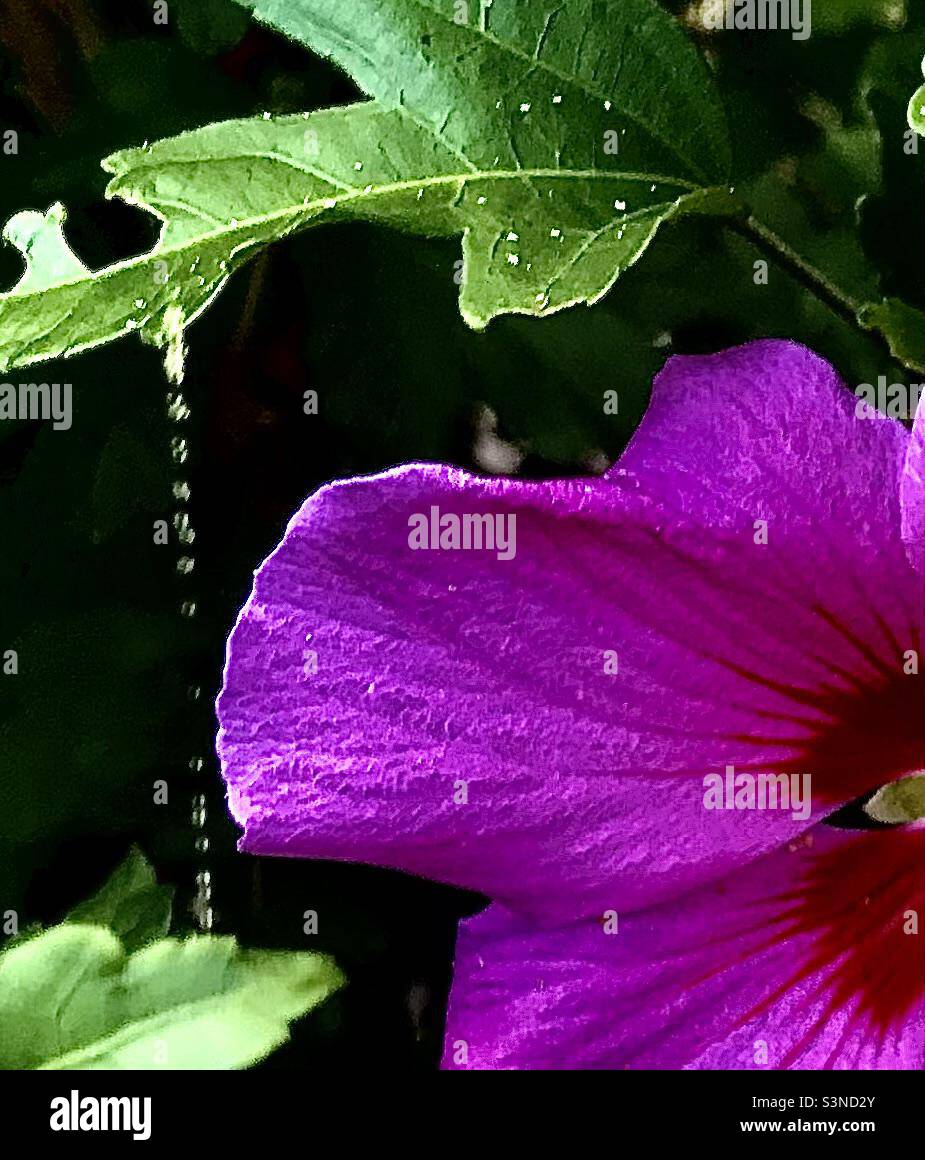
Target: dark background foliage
x=101 y=708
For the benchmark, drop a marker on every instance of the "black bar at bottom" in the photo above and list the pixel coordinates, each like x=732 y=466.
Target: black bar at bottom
x=273 y=1110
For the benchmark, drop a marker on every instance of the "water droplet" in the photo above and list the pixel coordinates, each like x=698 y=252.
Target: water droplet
x=177 y=410
x=186 y=533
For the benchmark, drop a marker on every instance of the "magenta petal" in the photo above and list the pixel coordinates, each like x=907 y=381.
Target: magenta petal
x=779 y=967
x=768 y=431
x=912 y=490
x=461 y=724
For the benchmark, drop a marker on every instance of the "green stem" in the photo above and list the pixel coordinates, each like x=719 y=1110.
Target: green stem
x=814 y=280
x=818 y=284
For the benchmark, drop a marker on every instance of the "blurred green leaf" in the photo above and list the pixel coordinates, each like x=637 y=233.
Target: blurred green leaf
x=129 y=480
x=90 y=720
x=209 y=26
x=902 y=326
x=838 y=16
x=130 y=903
x=892 y=225
x=74 y=999
x=917 y=110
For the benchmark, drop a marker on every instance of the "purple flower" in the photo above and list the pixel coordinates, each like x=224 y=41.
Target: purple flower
x=539 y=690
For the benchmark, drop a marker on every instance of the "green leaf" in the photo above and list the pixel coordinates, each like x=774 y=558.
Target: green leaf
x=484 y=78
x=73 y=999
x=902 y=326
x=538 y=93
x=917 y=111
x=40 y=240
x=501 y=134
x=131 y=904
x=59 y=307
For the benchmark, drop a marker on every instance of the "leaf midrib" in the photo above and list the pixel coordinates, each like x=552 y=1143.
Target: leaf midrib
x=245 y=225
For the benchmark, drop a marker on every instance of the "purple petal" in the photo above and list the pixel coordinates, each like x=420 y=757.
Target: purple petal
x=779 y=967
x=912 y=491
x=461 y=724
x=768 y=431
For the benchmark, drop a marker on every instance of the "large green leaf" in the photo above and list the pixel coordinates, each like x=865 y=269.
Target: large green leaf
x=525 y=84
x=504 y=134
x=538 y=95
x=74 y=999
